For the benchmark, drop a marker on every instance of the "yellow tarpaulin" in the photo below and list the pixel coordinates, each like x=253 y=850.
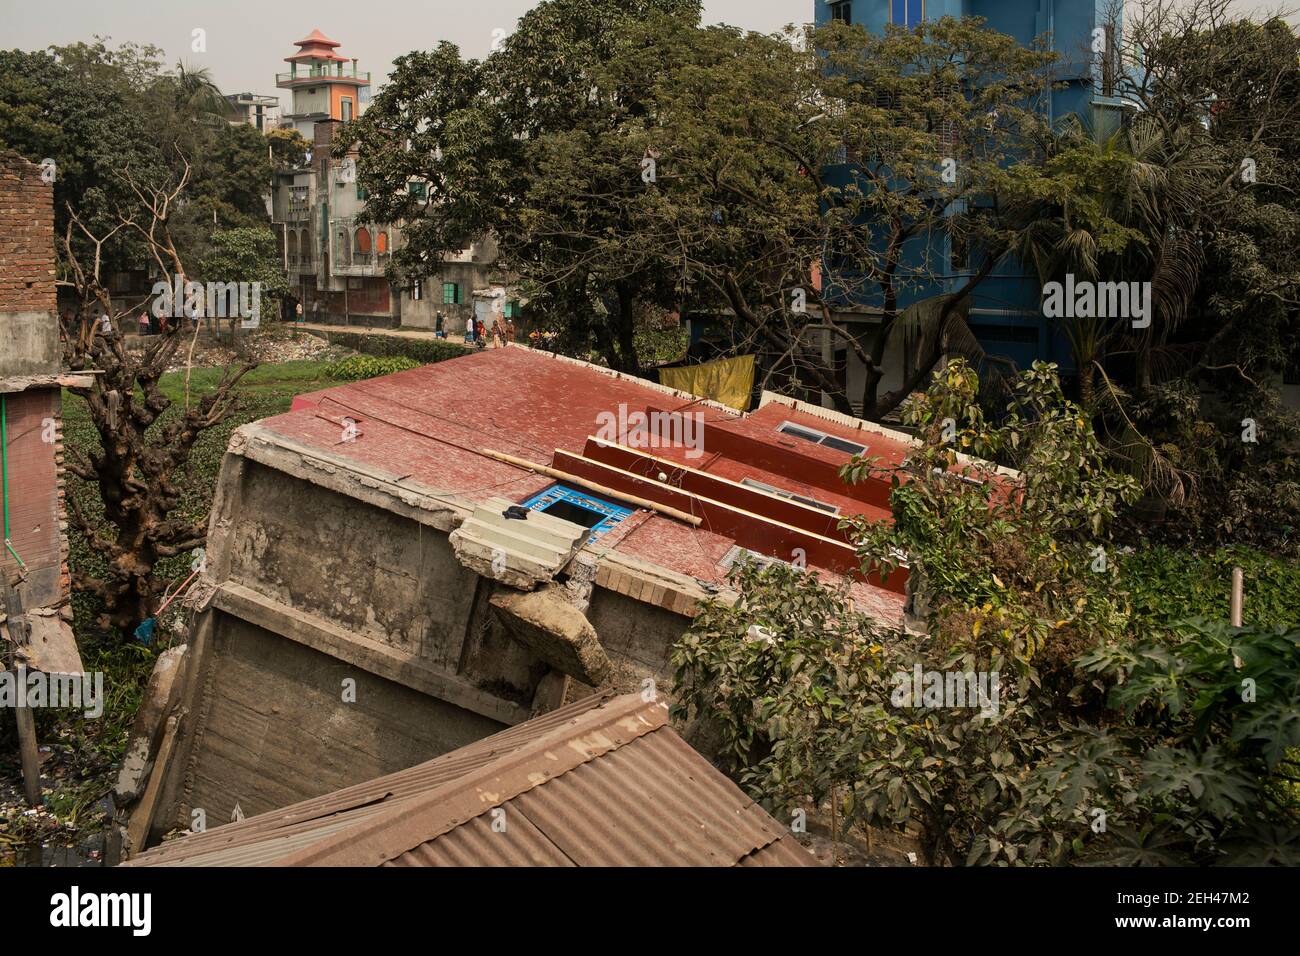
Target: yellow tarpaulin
x=729 y=381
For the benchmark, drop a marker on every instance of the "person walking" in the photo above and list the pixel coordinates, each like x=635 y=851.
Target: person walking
x=510 y=331
x=144 y=323
x=469 y=331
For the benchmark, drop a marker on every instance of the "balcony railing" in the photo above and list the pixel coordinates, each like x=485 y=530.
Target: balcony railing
x=323 y=73
x=302 y=264
x=360 y=264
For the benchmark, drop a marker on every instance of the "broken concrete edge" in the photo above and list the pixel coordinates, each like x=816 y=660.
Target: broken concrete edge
x=21 y=383
x=160 y=698
x=361 y=651
x=559 y=633
x=402 y=496
x=469 y=554
x=50 y=646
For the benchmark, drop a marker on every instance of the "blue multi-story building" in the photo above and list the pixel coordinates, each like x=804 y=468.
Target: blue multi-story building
x=1005 y=310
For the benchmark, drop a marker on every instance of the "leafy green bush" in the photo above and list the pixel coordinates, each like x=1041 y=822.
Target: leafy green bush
x=1203 y=768
x=1055 y=722
x=1166 y=584
x=357 y=367
x=804 y=696
x=1026 y=558
x=422 y=351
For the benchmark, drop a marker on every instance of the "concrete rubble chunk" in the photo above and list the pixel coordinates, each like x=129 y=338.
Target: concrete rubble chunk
x=520 y=552
x=157 y=702
x=554 y=630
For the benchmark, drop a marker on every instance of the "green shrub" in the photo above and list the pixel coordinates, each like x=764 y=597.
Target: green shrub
x=1167 y=584
x=421 y=351
x=1116 y=732
x=357 y=367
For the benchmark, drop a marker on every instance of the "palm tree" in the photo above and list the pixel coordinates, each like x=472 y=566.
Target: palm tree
x=1126 y=209
x=193 y=93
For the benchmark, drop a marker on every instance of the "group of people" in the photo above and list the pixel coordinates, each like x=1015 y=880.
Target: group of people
x=152 y=325
x=501 y=332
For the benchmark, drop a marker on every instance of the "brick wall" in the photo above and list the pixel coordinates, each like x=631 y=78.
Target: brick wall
x=29 y=346
x=26 y=237
x=29 y=331
x=35 y=502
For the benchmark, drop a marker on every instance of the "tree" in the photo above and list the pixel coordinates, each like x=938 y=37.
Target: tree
x=139 y=465
x=289 y=148
x=140 y=166
x=249 y=255
x=635 y=159
x=76 y=107
x=194 y=94
x=1036 y=719
x=455 y=149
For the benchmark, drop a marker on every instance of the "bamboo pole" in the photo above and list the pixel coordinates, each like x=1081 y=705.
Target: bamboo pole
x=593 y=486
x=28 y=750
x=1238 y=596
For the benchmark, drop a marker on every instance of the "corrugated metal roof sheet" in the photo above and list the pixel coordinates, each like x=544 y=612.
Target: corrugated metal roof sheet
x=602 y=782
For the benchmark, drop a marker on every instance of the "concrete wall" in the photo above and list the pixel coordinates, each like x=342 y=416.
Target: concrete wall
x=29 y=331
x=637 y=637
x=364 y=568
x=422 y=313
x=276 y=728
x=36 y=517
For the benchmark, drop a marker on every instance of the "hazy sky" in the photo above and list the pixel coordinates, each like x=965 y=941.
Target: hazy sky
x=247 y=40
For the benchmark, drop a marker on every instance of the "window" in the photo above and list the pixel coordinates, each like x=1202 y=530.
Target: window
x=791 y=496
x=346 y=104
x=1291 y=374
x=419 y=190
x=959 y=247
x=381 y=243
x=906 y=13
x=362 y=195
x=993 y=332
x=361 y=241
x=511 y=309
x=821 y=438
x=842 y=11
x=1109 y=62
x=450 y=293
x=580 y=507
x=417 y=290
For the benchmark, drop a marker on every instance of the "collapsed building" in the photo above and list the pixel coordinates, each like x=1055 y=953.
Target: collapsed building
x=402 y=566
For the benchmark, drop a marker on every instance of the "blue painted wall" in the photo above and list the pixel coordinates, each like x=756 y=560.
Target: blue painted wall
x=1006 y=313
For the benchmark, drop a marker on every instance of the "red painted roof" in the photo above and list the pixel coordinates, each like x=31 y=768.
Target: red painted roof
x=317 y=38
x=432 y=424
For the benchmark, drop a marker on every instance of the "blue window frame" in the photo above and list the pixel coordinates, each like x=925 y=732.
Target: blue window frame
x=907 y=13
x=580 y=507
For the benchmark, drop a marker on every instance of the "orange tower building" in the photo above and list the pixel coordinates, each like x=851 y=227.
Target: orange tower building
x=325 y=84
